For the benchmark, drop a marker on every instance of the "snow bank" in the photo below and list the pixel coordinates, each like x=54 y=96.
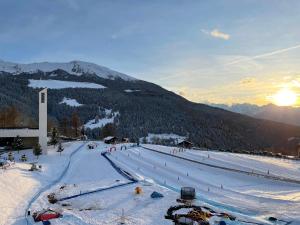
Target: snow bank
x=70 y=102
x=59 y=84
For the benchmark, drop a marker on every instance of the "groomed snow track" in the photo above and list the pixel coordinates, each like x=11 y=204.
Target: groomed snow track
x=118 y=169
x=37 y=195
x=267 y=176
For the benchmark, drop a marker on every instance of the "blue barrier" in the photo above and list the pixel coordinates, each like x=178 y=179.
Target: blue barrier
x=118 y=169
x=97 y=190
x=125 y=174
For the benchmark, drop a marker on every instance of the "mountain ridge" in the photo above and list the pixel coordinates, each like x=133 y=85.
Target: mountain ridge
x=152 y=109
x=283 y=114
x=74 y=67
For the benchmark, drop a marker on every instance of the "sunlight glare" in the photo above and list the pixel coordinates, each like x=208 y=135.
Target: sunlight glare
x=285 y=97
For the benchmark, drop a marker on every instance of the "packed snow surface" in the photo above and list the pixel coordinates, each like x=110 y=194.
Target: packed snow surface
x=70 y=102
x=60 y=84
x=248 y=197
x=109 y=117
x=73 y=67
x=18 y=185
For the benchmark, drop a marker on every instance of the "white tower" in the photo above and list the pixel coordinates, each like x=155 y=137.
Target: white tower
x=43 y=120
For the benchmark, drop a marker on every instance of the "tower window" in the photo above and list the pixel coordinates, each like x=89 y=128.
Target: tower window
x=42 y=97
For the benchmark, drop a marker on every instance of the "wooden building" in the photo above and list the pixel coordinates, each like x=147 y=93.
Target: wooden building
x=110 y=140
x=185 y=144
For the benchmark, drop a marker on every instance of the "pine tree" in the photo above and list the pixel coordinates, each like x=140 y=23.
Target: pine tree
x=64 y=126
x=82 y=131
x=54 y=136
x=144 y=140
x=37 y=150
x=19 y=143
x=108 y=130
x=75 y=122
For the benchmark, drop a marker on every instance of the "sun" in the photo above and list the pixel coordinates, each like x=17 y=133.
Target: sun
x=285 y=97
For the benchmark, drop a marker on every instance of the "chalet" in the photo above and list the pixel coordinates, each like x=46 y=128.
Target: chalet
x=185 y=144
x=110 y=140
x=125 y=140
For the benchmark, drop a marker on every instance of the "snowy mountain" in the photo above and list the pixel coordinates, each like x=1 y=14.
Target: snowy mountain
x=74 y=67
x=283 y=114
x=140 y=108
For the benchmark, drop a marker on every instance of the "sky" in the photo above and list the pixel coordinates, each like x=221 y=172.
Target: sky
x=221 y=51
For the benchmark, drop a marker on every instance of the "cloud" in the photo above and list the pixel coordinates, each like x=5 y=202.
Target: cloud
x=264 y=55
x=216 y=34
x=248 y=81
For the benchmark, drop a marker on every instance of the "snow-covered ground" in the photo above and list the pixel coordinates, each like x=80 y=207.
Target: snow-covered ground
x=130 y=90
x=152 y=137
x=242 y=194
x=70 y=102
x=250 y=163
x=18 y=185
x=90 y=170
x=108 y=118
x=60 y=84
x=248 y=197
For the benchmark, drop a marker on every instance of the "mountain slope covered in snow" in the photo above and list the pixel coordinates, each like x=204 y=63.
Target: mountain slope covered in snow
x=73 y=67
x=151 y=109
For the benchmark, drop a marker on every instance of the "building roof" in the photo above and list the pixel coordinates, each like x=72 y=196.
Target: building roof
x=109 y=138
x=184 y=141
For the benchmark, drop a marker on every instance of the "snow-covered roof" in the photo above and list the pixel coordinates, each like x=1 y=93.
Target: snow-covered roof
x=108 y=138
x=184 y=141
x=73 y=67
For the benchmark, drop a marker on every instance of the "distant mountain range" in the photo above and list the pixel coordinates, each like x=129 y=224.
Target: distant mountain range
x=283 y=114
x=137 y=107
